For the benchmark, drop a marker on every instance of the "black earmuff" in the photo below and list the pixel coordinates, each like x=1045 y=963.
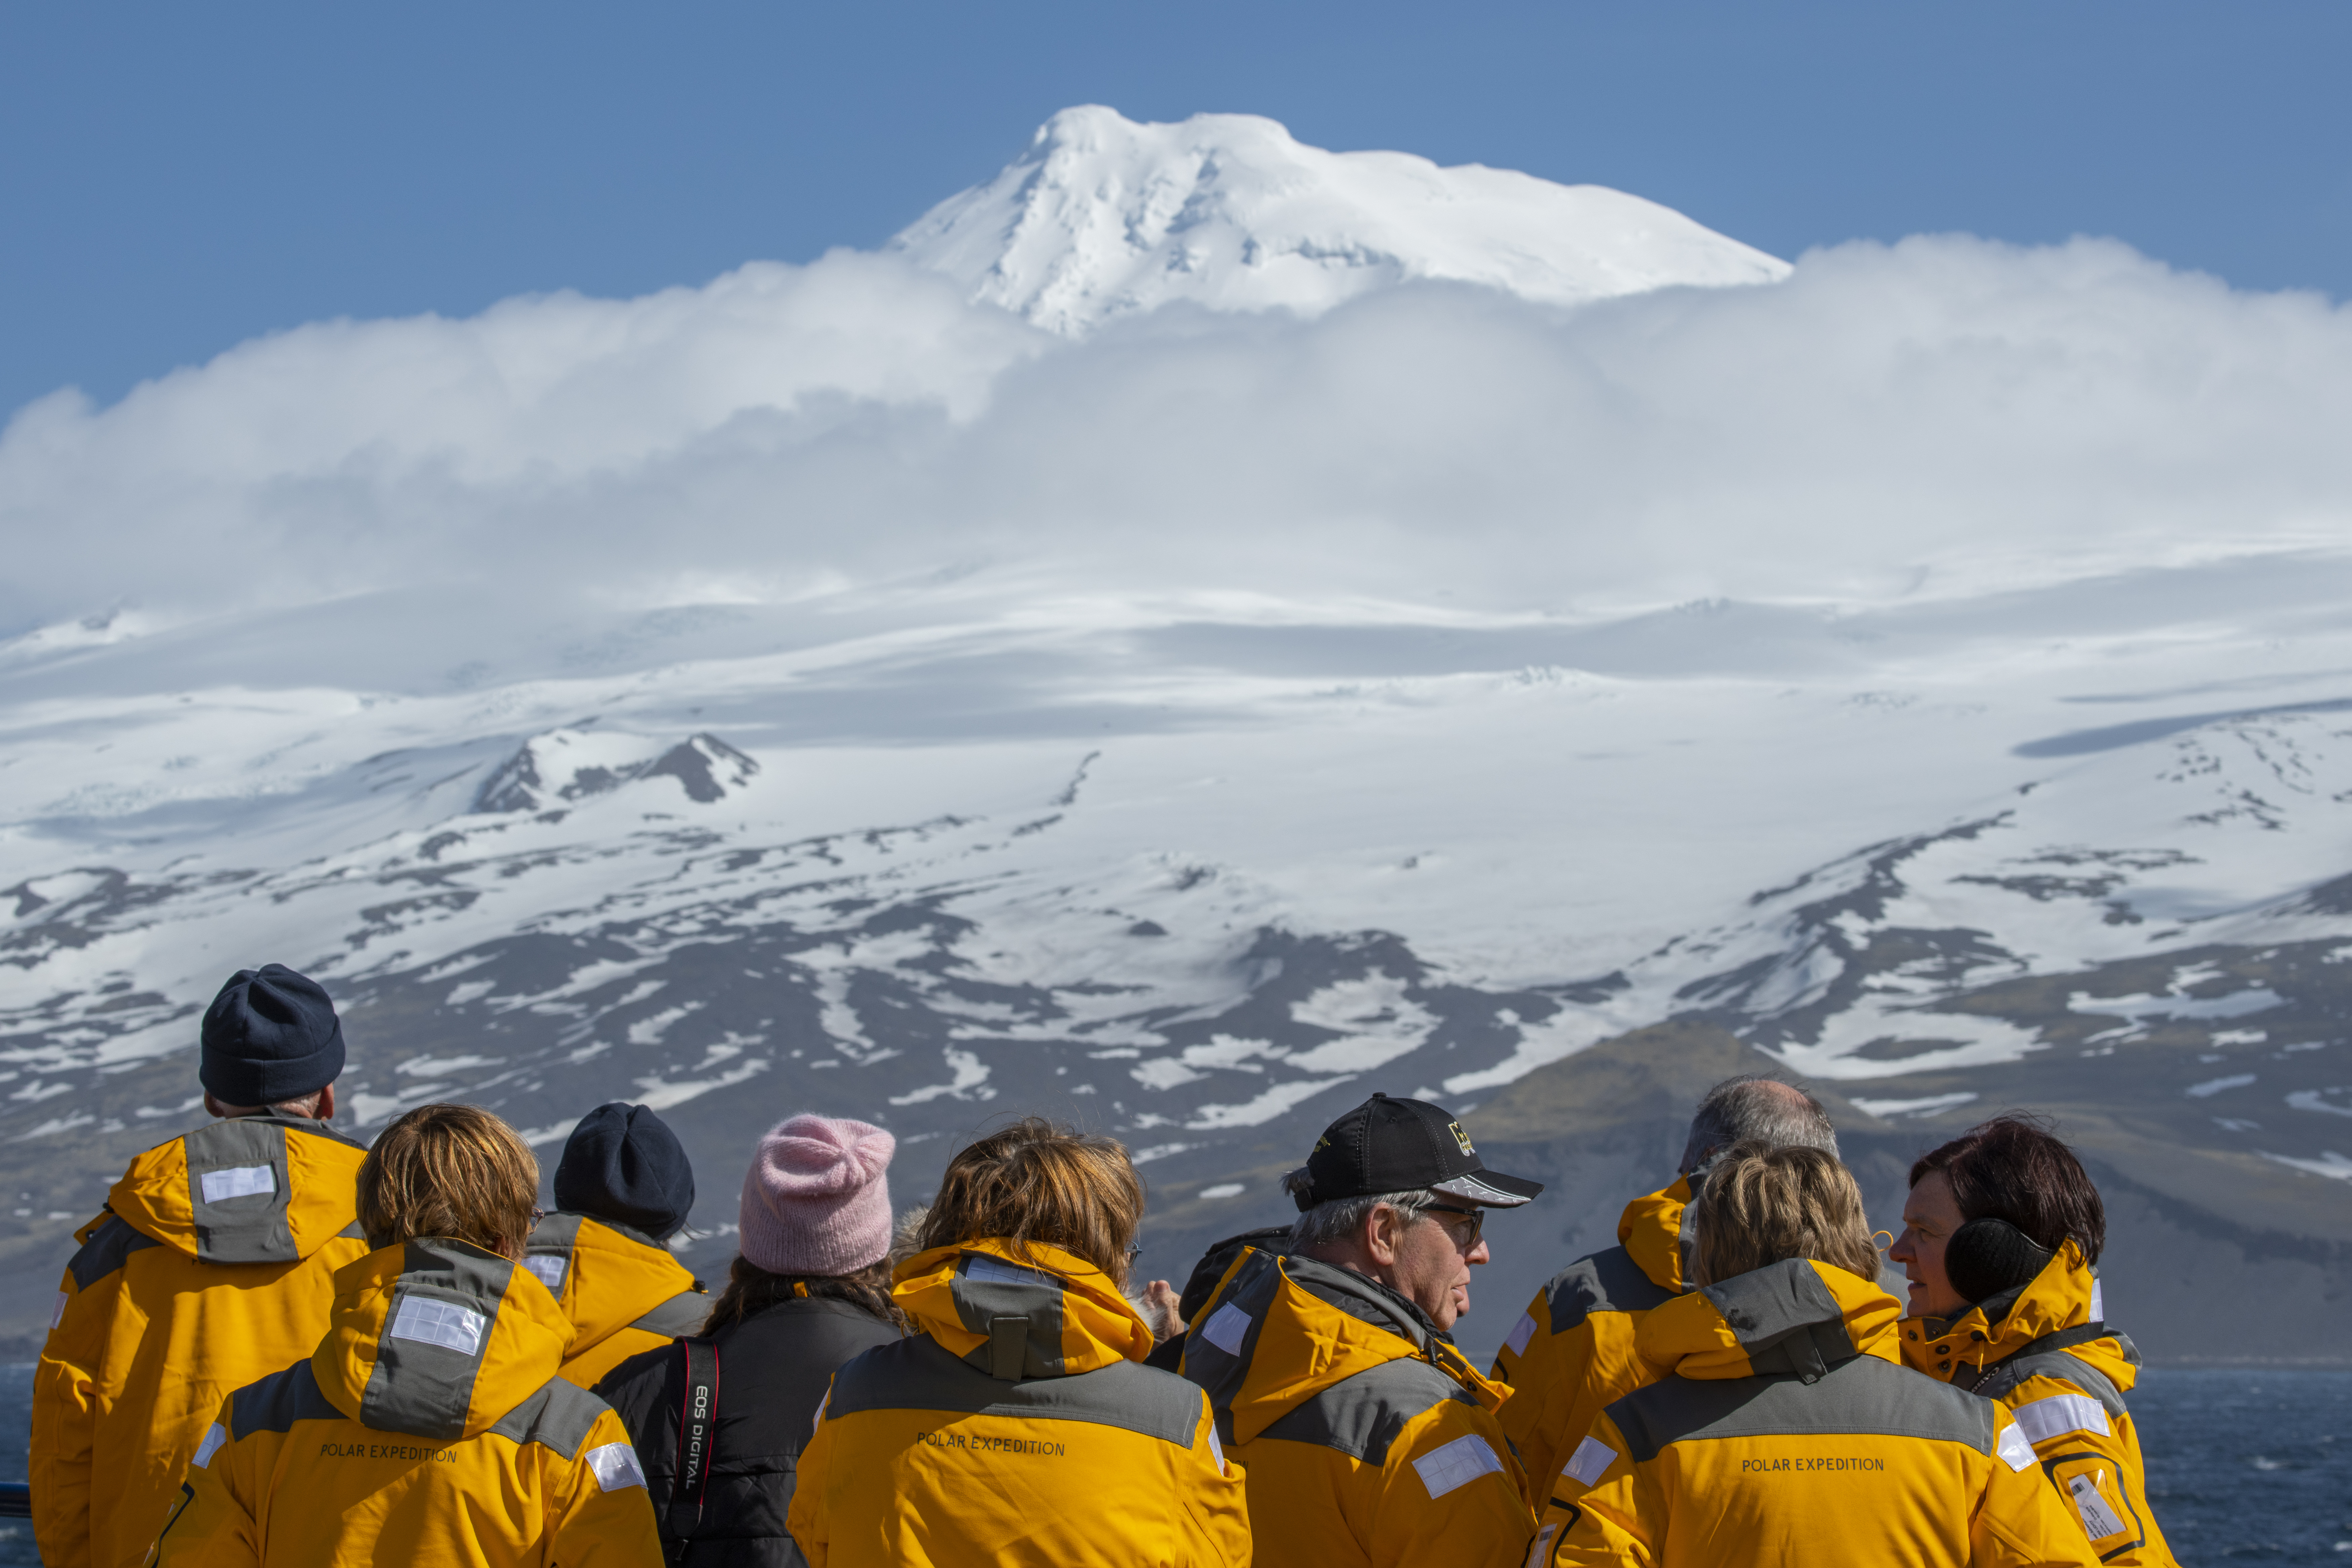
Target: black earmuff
x=1987 y=1257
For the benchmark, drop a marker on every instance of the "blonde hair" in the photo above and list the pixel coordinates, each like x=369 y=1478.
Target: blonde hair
x=1762 y=1204
x=452 y=1171
x=1034 y=1184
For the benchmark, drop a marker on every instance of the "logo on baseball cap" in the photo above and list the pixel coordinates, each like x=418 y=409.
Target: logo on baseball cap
x=1398 y=1145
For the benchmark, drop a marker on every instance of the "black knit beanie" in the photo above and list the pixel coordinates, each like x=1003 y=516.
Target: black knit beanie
x=271 y=1035
x=623 y=1162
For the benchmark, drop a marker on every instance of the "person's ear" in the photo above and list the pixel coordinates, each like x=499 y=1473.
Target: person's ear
x=1382 y=1235
x=326 y=1103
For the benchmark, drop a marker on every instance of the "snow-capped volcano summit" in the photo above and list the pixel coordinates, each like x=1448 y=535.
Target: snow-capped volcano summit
x=1104 y=218
x=826 y=688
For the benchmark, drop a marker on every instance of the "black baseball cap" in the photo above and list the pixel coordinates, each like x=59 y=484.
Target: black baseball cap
x=1397 y=1146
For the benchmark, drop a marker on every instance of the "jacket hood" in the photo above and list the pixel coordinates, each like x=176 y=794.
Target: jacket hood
x=2064 y=1295
x=604 y=1275
x=1289 y=1328
x=437 y=1338
x=1657 y=1232
x=253 y=1189
x=1034 y=1313
x=1795 y=1315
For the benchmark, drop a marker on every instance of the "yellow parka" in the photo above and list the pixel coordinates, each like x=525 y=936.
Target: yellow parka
x=1571 y=1353
x=212 y=1264
x=1017 y=1426
x=2046 y=1356
x=622 y=1290
x=1369 y=1441
x=428 y=1429
x=1789 y=1432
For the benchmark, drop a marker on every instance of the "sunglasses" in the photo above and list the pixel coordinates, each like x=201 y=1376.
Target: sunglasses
x=1477 y=1222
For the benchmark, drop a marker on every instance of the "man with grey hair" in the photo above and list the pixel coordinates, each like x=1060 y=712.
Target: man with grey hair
x=1369 y=1440
x=1571 y=1353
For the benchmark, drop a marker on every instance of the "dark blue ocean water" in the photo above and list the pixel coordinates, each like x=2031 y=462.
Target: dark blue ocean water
x=2252 y=1466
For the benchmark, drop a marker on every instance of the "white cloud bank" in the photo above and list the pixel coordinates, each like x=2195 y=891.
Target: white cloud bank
x=1941 y=416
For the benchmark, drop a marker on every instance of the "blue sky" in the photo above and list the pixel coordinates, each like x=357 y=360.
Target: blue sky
x=175 y=179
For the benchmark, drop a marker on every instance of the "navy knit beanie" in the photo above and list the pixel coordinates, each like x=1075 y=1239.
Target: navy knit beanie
x=271 y=1035
x=623 y=1162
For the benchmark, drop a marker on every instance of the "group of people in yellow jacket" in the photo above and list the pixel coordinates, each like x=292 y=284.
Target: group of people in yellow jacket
x=1685 y=1396
x=274 y=1345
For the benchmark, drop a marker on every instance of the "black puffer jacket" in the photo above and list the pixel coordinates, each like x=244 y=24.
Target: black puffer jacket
x=773 y=1369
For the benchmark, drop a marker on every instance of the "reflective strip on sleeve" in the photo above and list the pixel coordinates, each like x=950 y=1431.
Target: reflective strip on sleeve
x=214 y=1435
x=1540 y=1552
x=2098 y=1303
x=615 y=1465
x=1590 y=1461
x=439 y=1323
x=2014 y=1450
x=1218 y=1449
x=549 y=1266
x=239 y=1182
x=2042 y=1419
x=59 y=1316
x=819 y=1419
x=1521 y=1333
x=1227 y=1327
x=1454 y=1464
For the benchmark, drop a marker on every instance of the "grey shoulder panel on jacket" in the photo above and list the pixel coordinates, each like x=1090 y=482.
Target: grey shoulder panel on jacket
x=1361 y=1416
x=558 y=1416
x=2061 y=1364
x=278 y=1401
x=106 y=1251
x=919 y=1373
x=682 y=1314
x=1861 y=1396
x=1607 y=1281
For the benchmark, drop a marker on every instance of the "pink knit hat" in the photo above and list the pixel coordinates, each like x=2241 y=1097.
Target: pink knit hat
x=816 y=1200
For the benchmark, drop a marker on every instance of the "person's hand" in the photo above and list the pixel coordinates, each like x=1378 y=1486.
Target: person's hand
x=1160 y=1309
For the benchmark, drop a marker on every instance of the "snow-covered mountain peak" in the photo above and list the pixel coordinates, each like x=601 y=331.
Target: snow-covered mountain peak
x=1103 y=217
x=570 y=765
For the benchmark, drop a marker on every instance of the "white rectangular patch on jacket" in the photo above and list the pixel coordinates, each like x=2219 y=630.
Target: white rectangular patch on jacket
x=1458 y=1463
x=2043 y=1419
x=1226 y=1329
x=439 y=1323
x=615 y=1465
x=2014 y=1450
x=1540 y=1552
x=59 y=1315
x=1590 y=1461
x=2099 y=1521
x=214 y=1435
x=1521 y=1333
x=237 y=1182
x=549 y=1266
x=2098 y=1303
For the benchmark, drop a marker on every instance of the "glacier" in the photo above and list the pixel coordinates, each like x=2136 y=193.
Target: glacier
x=1103 y=217
x=1195 y=629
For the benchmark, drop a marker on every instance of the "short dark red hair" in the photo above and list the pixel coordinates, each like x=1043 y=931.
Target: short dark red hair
x=2012 y=1168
